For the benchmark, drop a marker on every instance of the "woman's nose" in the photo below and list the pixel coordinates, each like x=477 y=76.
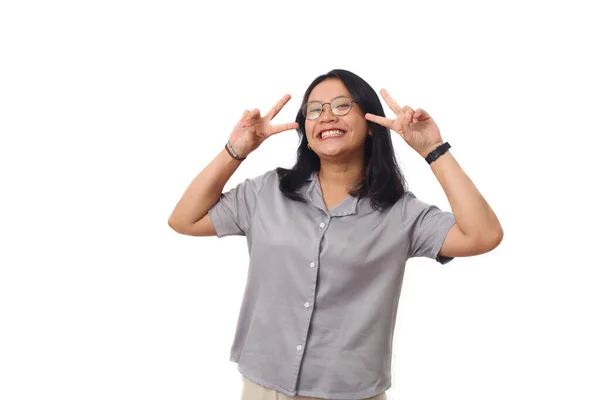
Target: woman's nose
x=327 y=113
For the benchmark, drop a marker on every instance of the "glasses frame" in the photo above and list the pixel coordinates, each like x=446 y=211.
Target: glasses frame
x=304 y=107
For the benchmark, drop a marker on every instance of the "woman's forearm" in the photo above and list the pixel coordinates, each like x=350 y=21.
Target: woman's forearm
x=204 y=191
x=473 y=215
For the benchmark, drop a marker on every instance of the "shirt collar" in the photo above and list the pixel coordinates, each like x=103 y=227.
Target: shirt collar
x=348 y=206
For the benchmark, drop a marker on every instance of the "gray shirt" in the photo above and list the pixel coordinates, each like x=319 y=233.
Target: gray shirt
x=319 y=309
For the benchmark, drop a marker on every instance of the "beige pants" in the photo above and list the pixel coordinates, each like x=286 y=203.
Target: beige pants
x=253 y=391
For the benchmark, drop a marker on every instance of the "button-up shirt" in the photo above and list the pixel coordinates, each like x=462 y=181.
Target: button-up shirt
x=319 y=309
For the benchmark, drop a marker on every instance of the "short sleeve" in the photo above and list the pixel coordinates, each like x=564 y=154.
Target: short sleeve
x=233 y=212
x=427 y=227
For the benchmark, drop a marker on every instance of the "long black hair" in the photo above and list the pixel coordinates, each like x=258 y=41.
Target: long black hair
x=383 y=181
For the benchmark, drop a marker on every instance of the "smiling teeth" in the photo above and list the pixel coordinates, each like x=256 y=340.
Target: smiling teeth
x=332 y=133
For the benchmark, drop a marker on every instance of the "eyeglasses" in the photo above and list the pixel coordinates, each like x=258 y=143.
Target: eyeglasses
x=339 y=106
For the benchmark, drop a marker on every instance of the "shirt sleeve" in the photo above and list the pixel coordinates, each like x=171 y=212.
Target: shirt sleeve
x=233 y=212
x=427 y=227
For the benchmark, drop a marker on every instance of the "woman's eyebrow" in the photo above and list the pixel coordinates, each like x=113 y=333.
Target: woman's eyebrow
x=320 y=101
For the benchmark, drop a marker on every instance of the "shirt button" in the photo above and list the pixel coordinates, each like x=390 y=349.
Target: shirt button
x=312 y=264
x=322 y=225
x=307 y=304
x=299 y=347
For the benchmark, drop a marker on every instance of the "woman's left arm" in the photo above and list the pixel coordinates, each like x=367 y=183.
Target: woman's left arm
x=477 y=229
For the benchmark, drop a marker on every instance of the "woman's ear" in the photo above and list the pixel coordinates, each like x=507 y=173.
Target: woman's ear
x=369 y=128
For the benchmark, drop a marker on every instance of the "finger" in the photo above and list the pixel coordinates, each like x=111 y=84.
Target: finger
x=252 y=117
x=246 y=112
x=417 y=114
x=405 y=122
x=242 y=120
x=409 y=114
x=391 y=102
x=408 y=110
x=277 y=107
x=421 y=115
x=379 y=120
x=283 y=127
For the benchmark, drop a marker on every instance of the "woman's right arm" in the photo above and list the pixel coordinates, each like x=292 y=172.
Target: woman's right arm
x=190 y=216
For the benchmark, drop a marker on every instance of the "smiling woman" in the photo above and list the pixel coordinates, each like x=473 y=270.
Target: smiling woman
x=327 y=119
x=349 y=161
x=329 y=238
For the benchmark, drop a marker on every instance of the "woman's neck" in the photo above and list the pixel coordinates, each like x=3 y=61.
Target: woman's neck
x=341 y=176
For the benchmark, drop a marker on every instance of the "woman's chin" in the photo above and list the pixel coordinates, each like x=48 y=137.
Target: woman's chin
x=335 y=152
x=330 y=151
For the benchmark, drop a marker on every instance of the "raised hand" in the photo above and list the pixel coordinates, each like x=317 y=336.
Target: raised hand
x=252 y=129
x=417 y=128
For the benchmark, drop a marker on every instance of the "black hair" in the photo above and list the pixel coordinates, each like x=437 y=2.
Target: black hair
x=383 y=181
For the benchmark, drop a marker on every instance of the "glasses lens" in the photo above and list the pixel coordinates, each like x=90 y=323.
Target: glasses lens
x=312 y=110
x=341 y=106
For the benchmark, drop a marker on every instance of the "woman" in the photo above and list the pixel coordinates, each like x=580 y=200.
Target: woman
x=329 y=238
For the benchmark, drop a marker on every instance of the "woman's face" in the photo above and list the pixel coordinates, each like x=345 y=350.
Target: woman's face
x=352 y=126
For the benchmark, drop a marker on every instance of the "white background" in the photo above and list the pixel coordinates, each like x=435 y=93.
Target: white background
x=109 y=109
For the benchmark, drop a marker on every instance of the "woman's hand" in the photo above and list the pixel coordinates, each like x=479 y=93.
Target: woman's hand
x=252 y=129
x=417 y=128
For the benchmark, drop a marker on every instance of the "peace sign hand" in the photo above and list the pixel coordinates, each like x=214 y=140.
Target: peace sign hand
x=252 y=129
x=417 y=128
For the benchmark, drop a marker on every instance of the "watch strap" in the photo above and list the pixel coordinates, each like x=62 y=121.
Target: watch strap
x=438 y=151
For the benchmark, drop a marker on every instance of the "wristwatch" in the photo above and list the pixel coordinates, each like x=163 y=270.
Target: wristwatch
x=438 y=151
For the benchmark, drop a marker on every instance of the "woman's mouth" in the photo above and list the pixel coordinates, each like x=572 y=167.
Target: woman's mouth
x=333 y=133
